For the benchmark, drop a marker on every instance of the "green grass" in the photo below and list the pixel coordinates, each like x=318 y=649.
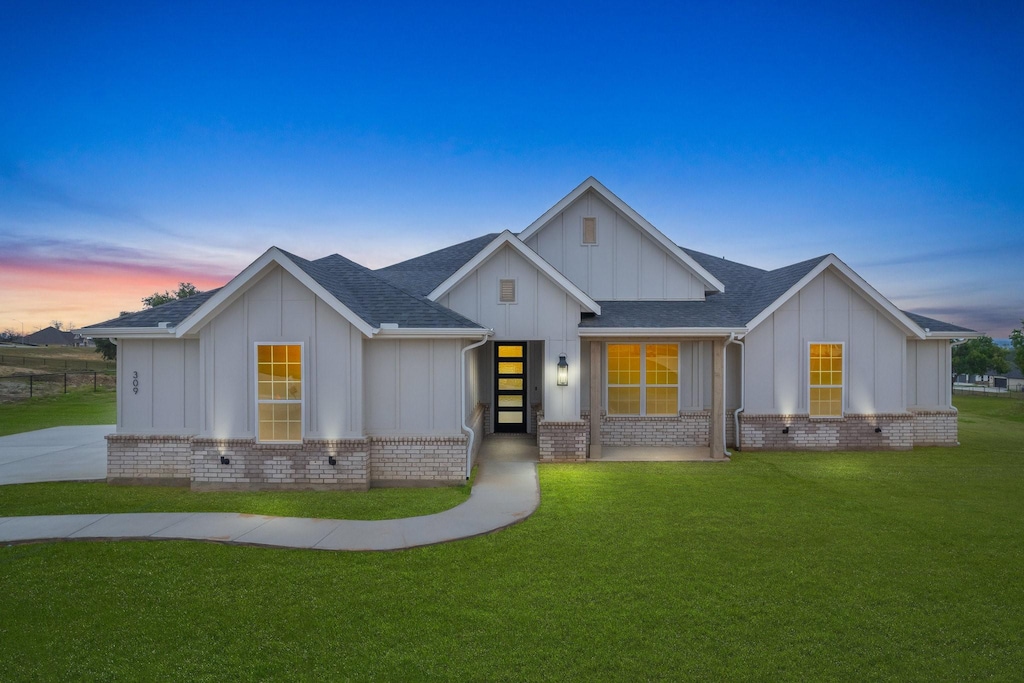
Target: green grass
x=780 y=566
x=81 y=407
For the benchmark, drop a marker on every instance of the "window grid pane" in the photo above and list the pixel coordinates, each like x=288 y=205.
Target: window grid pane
x=643 y=379
x=826 y=380
x=279 y=392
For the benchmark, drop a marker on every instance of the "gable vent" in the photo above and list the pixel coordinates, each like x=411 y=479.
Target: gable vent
x=590 y=230
x=507 y=291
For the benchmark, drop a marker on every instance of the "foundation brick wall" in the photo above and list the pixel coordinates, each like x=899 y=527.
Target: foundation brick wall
x=935 y=427
x=256 y=466
x=686 y=429
x=562 y=441
x=850 y=433
x=405 y=460
x=161 y=459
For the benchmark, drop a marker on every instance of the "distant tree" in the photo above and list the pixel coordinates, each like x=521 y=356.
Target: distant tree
x=58 y=324
x=1017 y=341
x=9 y=335
x=978 y=356
x=106 y=348
x=184 y=291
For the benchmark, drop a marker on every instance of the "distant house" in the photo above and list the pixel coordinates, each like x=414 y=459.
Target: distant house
x=1013 y=380
x=51 y=336
x=587 y=328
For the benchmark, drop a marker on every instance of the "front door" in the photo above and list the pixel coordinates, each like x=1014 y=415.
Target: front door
x=510 y=387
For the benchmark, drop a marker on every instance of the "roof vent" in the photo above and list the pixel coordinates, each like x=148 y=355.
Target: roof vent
x=389 y=326
x=590 y=230
x=507 y=291
x=163 y=325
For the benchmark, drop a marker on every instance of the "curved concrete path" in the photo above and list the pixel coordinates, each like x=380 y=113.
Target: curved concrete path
x=506 y=491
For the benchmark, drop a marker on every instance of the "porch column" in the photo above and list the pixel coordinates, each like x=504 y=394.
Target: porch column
x=595 y=400
x=716 y=439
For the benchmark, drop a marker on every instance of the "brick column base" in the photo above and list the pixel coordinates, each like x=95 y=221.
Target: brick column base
x=563 y=441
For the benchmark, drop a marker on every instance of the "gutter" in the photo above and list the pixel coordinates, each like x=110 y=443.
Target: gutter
x=743 y=390
x=462 y=393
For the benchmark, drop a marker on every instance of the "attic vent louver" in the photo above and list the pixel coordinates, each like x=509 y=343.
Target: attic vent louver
x=589 y=230
x=507 y=291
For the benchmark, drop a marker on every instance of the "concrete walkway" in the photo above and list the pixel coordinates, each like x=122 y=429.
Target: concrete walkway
x=506 y=491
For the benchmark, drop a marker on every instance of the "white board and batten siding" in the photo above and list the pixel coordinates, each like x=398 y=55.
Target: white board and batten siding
x=826 y=310
x=625 y=264
x=929 y=374
x=158 y=390
x=542 y=311
x=279 y=309
x=412 y=387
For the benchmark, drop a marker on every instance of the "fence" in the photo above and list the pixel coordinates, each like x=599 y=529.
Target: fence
x=21 y=361
x=15 y=387
x=996 y=392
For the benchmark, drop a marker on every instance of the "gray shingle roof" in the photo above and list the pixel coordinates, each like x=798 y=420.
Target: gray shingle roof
x=376 y=299
x=421 y=275
x=172 y=312
x=935 y=325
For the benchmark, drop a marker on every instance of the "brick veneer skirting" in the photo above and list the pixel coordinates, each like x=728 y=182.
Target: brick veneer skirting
x=850 y=433
x=255 y=466
x=358 y=463
x=412 y=461
x=685 y=429
x=149 y=459
x=562 y=441
x=935 y=427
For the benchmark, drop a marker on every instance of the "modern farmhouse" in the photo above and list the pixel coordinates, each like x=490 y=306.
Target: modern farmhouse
x=588 y=328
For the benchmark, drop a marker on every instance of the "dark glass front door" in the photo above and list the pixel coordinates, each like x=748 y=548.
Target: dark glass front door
x=509 y=387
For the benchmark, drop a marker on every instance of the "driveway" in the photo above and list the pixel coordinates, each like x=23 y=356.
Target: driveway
x=55 y=454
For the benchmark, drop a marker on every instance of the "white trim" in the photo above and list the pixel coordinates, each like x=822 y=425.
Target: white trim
x=433 y=333
x=617 y=332
x=851 y=278
x=241 y=282
x=507 y=238
x=134 y=332
x=592 y=183
x=963 y=334
x=256 y=389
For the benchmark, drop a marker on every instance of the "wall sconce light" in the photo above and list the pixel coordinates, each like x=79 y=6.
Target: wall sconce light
x=331 y=460
x=225 y=461
x=785 y=430
x=878 y=430
x=562 y=378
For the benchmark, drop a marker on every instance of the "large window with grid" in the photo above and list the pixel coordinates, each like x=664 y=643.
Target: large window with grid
x=643 y=379
x=826 y=381
x=279 y=393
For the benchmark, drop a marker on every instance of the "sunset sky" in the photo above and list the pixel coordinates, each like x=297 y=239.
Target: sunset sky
x=143 y=144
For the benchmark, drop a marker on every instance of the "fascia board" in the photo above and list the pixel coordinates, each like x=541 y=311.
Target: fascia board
x=124 y=332
x=434 y=332
x=668 y=245
x=660 y=331
x=241 y=282
x=507 y=238
x=965 y=334
x=851 y=278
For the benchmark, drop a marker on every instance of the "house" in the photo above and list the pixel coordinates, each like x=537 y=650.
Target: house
x=588 y=328
x=51 y=336
x=1011 y=380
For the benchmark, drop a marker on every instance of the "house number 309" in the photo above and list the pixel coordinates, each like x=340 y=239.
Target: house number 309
x=135 y=382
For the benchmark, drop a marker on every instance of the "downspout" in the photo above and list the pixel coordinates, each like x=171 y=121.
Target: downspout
x=472 y=434
x=953 y=344
x=743 y=392
x=725 y=388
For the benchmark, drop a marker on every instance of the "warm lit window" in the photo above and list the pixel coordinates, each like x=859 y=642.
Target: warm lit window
x=643 y=379
x=279 y=392
x=826 y=396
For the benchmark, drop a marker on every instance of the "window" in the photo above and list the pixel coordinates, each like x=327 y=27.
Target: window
x=643 y=379
x=279 y=392
x=589 y=230
x=506 y=291
x=826 y=395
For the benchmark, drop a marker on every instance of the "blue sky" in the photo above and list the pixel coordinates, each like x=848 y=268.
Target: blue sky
x=145 y=144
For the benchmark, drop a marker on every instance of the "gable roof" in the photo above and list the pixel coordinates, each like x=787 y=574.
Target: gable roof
x=421 y=275
x=508 y=239
x=172 y=312
x=592 y=184
x=939 y=329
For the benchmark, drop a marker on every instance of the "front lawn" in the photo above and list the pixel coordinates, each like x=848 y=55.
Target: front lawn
x=80 y=407
x=782 y=566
